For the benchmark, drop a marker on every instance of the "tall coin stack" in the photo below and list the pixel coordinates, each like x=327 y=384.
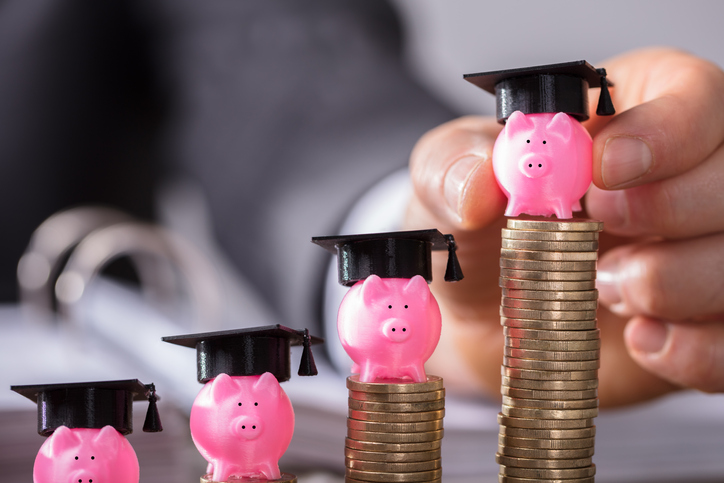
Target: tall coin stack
x=552 y=348
x=394 y=431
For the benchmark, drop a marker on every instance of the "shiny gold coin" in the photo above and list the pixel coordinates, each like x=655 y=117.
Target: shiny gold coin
x=395 y=407
x=553 y=345
x=548 y=433
x=549 y=304
x=548 y=375
x=539 y=365
x=284 y=478
x=547 y=413
x=407 y=467
x=394 y=427
x=385 y=477
x=395 y=437
x=392 y=447
x=546 y=275
x=548 y=473
x=549 y=265
x=549 y=385
x=550 y=403
x=536 y=463
x=548 y=394
x=573 y=236
x=549 y=224
x=398 y=398
x=512 y=479
x=541 y=255
x=546 y=443
x=550 y=246
x=564 y=325
x=434 y=383
x=545 y=454
x=517 y=333
x=584 y=295
x=396 y=417
x=546 y=355
x=576 y=286
x=544 y=423
x=389 y=457
x=516 y=313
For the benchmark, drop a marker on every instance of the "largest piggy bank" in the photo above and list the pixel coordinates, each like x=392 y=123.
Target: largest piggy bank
x=242 y=425
x=389 y=327
x=82 y=455
x=543 y=164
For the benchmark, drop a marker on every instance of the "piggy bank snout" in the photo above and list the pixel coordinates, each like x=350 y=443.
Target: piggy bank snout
x=534 y=165
x=396 y=330
x=247 y=427
x=81 y=476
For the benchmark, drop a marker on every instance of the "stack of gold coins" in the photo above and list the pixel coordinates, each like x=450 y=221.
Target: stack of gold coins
x=394 y=431
x=284 y=478
x=552 y=348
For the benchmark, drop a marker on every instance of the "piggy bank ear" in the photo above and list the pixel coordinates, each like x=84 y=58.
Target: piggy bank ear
x=518 y=122
x=372 y=288
x=562 y=125
x=222 y=388
x=109 y=439
x=60 y=441
x=417 y=286
x=268 y=386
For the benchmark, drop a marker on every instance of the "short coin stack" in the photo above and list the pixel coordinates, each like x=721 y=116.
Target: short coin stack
x=394 y=431
x=552 y=347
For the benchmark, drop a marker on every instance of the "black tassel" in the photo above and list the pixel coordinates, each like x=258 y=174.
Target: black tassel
x=152 y=424
x=453 y=273
x=605 y=105
x=307 y=366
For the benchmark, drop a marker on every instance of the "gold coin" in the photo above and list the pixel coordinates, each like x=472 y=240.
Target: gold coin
x=392 y=447
x=547 y=393
x=512 y=479
x=394 y=427
x=347 y=479
x=407 y=467
x=516 y=313
x=389 y=457
x=579 y=443
x=548 y=265
x=550 y=403
x=395 y=407
x=544 y=423
x=576 y=286
x=583 y=295
x=553 y=345
x=433 y=383
x=545 y=454
x=549 y=355
x=549 y=235
x=546 y=275
x=549 y=385
x=548 y=473
x=398 y=398
x=546 y=413
x=550 y=246
x=548 y=224
x=396 y=417
x=377 y=437
x=537 y=463
x=551 y=365
x=284 y=478
x=549 y=304
x=385 y=477
x=556 y=256
x=548 y=433
x=548 y=375
x=517 y=333
x=563 y=325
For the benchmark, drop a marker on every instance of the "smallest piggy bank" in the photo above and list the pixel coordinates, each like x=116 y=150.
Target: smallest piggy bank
x=83 y=455
x=543 y=164
x=242 y=425
x=389 y=327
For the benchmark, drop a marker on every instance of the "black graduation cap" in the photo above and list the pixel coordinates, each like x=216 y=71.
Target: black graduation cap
x=92 y=405
x=546 y=88
x=399 y=254
x=249 y=352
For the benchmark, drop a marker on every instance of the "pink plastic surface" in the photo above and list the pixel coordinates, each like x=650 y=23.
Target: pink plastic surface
x=81 y=455
x=389 y=327
x=543 y=164
x=242 y=425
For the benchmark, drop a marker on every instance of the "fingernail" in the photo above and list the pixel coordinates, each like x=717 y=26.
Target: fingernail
x=455 y=180
x=608 y=282
x=624 y=160
x=648 y=336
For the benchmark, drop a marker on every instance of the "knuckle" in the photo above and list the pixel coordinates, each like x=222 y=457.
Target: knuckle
x=649 y=293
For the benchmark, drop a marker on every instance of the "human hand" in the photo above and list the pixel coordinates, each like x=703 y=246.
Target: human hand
x=659 y=177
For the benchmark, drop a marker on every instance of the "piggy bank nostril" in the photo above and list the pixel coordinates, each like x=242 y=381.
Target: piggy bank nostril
x=253 y=427
x=404 y=330
x=393 y=329
x=540 y=165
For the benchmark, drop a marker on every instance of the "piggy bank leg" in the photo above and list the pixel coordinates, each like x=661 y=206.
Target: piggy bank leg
x=210 y=469
x=368 y=372
x=416 y=372
x=270 y=470
x=577 y=206
x=222 y=472
x=562 y=210
x=514 y=208
x=355 y=368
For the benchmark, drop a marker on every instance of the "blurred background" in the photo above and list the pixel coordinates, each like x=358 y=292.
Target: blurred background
x=220 y=136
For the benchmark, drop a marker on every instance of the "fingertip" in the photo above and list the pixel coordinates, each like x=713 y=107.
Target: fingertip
x=481 y=201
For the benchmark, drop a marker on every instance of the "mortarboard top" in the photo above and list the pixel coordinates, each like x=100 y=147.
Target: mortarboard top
x=399 y=254
x=91 y=405
x=249 y=352
x=546 y=88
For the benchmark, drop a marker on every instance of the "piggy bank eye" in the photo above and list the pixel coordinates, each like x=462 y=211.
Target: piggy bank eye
x=76 y=457
x=256 y=404
x=93 y=457
x=239 y=404
x=405 y=306
x=389 y=306
x=528 y=141
x=544 y=142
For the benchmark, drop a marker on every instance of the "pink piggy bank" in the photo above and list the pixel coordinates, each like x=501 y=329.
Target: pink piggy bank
x=242 y=425
x=389 y=327
x=82 y=455
x=543 y=164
